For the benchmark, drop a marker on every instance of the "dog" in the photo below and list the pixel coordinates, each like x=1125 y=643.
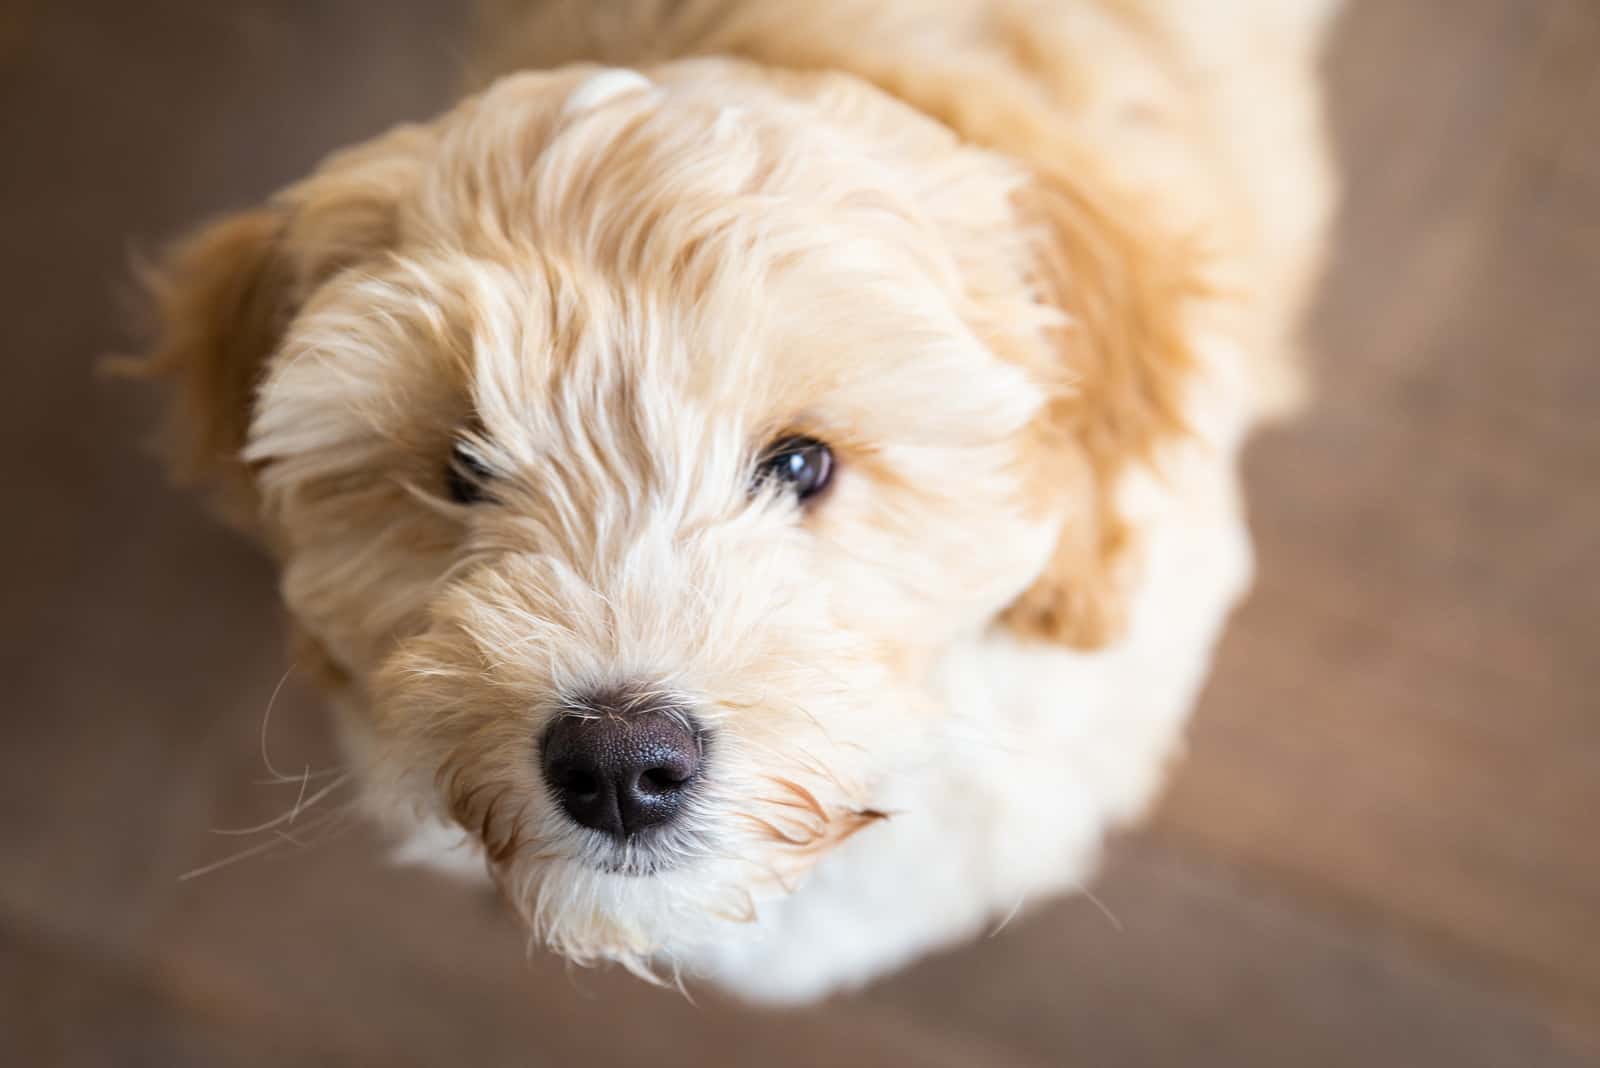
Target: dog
x=756 y=478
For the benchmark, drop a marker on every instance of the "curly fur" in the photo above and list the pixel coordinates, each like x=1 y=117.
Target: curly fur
x=1029 y=268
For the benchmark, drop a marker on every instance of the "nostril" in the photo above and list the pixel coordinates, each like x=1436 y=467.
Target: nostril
x=662 y=780
x=575 y=781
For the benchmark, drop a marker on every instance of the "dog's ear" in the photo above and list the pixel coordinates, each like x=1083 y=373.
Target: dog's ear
x=221 y=301
x=1120 y=364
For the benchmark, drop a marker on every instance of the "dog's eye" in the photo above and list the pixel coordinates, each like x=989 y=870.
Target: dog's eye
x=466 y=475
x=804 y=465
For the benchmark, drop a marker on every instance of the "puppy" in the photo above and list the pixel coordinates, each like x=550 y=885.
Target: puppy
x=758 y=478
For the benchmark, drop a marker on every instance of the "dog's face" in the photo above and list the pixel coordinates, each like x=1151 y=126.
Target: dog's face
x=634 y=459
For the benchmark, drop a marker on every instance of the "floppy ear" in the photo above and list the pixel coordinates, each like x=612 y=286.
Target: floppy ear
x=222 y=300
x=1121 y=367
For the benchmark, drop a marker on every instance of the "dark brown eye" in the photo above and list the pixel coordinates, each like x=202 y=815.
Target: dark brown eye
x=803 y=465
x=466 y=475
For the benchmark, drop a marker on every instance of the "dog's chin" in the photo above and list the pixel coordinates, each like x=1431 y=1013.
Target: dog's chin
x=642 y=908
x=655 y=852
x=638 y=867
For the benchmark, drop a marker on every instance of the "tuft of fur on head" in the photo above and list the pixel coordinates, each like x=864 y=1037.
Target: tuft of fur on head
x=614 y=290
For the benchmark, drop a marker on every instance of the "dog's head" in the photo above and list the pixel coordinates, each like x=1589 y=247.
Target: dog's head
x=635 y=449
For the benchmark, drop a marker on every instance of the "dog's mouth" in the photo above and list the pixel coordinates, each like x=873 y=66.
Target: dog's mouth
x=642 y=854
x=640 y=857
x=636 y=866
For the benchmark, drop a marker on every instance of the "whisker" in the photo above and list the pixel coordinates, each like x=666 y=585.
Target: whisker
x=301 y=796
x=266 y=723
x=326 y=820
x=301 y=804
x=337 y=769
x=291 y=839
x=1105 y=911
x=229 y=861
x=276 y=777
x=1008 y=917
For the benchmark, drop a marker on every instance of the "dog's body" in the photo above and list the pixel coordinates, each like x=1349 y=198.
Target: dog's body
x=845 y=221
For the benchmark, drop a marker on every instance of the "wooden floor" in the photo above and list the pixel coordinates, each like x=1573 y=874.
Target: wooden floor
x=1383 y=850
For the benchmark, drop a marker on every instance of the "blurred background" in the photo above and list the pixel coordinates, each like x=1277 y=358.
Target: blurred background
x=1384 y=847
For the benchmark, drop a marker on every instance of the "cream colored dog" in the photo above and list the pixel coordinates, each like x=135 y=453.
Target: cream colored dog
x=759 y=477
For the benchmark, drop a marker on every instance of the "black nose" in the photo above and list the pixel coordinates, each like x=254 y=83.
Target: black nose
x=621 y=771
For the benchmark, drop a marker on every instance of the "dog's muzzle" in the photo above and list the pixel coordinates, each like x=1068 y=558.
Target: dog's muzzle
x=623 y=767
